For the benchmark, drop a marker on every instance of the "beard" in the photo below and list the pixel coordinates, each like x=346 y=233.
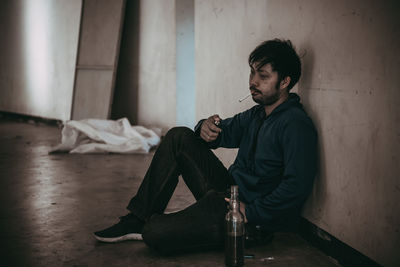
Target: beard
x=266 y=100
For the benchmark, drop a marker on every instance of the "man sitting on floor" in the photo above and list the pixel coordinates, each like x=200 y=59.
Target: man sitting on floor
x=274 y=168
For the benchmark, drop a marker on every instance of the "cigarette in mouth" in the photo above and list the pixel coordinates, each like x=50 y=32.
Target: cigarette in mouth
x=245 y=97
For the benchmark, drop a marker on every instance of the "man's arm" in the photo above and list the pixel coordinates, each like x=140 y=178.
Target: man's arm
x=225 y=133
x=299 y=143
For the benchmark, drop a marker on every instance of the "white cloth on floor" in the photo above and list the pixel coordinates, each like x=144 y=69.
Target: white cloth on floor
x=102 y=136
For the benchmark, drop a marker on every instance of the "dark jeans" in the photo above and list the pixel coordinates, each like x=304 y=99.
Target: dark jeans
x=200 y=226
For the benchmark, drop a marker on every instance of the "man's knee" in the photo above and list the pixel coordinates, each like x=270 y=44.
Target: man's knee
x=179 y=131
x=180 y=134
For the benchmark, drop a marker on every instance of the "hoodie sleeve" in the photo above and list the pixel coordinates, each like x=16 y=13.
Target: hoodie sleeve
x=299 y=147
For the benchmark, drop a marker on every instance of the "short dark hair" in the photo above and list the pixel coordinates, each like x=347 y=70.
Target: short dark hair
x=281 y=55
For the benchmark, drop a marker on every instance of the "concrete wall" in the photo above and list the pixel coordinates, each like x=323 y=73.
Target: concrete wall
x=38 y=49
x=157 y=86
x=185 y=64
x=349 y=87
x=146 y=81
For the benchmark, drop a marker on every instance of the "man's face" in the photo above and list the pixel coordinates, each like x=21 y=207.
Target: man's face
x=264 y=84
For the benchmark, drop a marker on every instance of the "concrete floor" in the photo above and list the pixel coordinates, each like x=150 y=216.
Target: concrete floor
x=51 y=204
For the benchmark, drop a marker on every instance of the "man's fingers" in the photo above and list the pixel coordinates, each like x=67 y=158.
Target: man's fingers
x=209 y=130
x=212 y=134
x=210 y=127
x=215 y=128
x=216 y=119
x=208 y=135
x=213 y=123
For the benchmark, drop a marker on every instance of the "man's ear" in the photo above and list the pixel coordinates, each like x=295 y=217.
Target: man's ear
x=285 y=82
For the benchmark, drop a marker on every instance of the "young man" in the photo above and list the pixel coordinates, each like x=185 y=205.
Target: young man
x=274 y=168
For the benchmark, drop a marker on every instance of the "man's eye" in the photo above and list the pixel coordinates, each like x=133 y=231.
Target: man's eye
x=263 y=77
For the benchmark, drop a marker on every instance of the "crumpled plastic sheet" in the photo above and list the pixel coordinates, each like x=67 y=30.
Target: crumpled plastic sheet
x=106 y=136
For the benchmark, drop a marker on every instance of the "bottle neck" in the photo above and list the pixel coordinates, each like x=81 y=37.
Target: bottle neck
x=234 y=203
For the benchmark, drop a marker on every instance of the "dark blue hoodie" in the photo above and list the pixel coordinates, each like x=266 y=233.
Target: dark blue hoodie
x=276 y=162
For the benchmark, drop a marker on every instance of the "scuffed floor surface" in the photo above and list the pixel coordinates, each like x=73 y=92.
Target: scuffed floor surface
x=51 y=204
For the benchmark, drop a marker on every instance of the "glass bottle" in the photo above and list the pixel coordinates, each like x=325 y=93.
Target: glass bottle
x=234 y=231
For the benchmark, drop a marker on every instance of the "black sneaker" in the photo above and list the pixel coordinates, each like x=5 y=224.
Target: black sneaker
x=128 y=228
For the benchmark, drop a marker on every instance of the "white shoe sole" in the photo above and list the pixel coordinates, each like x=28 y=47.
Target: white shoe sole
x=119 y=238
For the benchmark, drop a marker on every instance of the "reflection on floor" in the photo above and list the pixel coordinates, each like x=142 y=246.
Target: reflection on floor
x=51 y=204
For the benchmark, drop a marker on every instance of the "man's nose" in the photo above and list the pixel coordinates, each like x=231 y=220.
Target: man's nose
x=253 y=81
